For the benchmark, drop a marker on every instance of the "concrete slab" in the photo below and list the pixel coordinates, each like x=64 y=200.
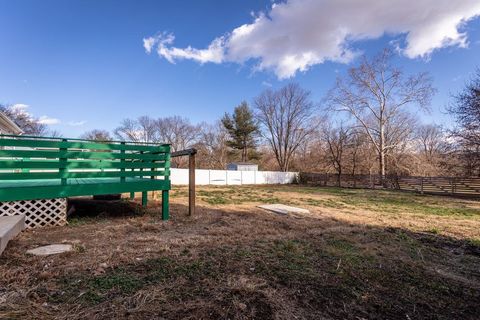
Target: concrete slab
x=9 y=227
x=283 y=209
x=51 y=249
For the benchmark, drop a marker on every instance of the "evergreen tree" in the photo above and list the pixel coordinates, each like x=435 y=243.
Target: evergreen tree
x=242 y=130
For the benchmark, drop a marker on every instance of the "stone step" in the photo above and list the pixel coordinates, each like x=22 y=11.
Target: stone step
x=9 y=228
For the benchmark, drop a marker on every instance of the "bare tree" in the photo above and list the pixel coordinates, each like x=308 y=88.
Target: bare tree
x=97 y=135
x=433 y=148
x=25 y=121
x=179 y=133
x=466 y=111
x=337 y=141
x=212 y=146
x=376 y=94
x=142 y=129
x=357 y=143
x=287 y=119
x=433 y=141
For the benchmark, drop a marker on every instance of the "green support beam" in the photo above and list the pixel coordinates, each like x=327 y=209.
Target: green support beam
x=165 y=205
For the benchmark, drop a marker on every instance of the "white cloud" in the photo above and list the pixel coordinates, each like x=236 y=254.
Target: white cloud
x=20 y=108
x=266 y=84
x=48 y=120
x=77 y=123
x=214 y=52
x=297 y=34
x=148 y=44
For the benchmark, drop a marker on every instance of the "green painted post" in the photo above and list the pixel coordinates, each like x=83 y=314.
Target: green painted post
x=24 y=170
x=144 y=198
x=132 y=195
x=122 y=170
x=165 y=205
x=63 y=162
x=153 y=169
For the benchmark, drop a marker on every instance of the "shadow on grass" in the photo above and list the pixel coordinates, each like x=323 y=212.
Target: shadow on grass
x=343 y=271
x=311 y=268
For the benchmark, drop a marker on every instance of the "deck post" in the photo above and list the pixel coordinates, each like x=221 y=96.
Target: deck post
x=122 y=170
x=153 y=169
x=165 y=206
x=144 y=198
x=63 y=163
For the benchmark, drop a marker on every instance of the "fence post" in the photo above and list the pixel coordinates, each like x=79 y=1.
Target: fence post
x=421 y=185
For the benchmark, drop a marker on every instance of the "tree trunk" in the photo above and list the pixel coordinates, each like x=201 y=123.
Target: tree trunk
x=245 y=152
x=339 y=177
x=353 y=170
x=381 y=158
x=381 y=170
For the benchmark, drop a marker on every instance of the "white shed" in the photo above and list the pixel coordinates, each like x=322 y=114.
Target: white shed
x=242 y=166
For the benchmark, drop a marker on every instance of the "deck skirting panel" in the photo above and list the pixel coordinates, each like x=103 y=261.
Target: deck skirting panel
x=38 y=213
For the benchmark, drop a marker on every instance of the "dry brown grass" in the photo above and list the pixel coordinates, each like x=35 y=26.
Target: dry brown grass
x=358 y=254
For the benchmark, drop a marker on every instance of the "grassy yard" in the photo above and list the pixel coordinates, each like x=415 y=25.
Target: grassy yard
x=358 y=254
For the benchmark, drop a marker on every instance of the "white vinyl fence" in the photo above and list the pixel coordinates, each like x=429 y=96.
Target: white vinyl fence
x=230 y=177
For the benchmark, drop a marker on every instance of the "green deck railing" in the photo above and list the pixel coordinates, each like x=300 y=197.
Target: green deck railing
x=46 y=168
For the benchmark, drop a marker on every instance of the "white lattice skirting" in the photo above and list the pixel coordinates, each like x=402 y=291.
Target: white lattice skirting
x=38 y=213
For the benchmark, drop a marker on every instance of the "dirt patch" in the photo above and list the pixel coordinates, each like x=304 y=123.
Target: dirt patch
x=235 y=261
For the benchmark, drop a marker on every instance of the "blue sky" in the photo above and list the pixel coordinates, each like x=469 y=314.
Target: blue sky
x=84 y=62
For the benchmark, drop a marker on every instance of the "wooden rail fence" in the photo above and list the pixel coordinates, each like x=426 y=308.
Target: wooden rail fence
x=456 y=186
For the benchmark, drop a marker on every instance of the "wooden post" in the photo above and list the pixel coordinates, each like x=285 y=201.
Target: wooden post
x=191 y=184
x=191 y=178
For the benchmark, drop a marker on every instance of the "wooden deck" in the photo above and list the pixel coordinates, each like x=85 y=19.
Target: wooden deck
x=34 y=168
